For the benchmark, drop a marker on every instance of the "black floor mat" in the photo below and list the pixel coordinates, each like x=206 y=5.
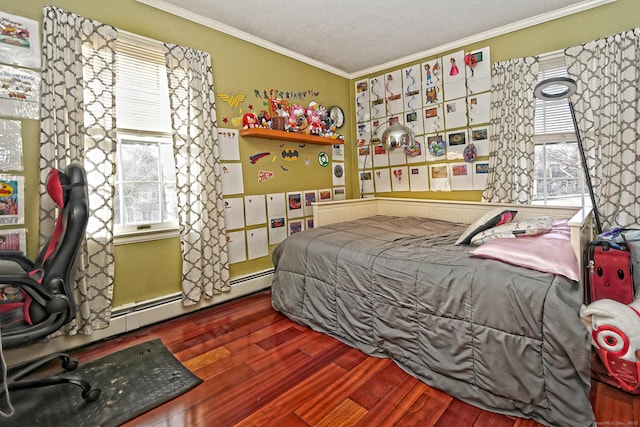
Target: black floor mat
x=132 y=381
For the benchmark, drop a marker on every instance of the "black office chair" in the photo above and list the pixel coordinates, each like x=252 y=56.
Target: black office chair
x=36 y=297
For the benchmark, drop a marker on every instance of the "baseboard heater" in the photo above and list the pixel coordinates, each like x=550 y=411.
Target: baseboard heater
x=133 y=316
x=177 y=296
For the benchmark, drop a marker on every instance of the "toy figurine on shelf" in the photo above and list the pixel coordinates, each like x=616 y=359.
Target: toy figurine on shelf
x=292 y=123
x=315 y=124
x=264 y=119
x=297 y=121
x=249 y=121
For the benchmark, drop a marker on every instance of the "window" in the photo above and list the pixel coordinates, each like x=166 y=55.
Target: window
x=559 y=177
x=145 y=196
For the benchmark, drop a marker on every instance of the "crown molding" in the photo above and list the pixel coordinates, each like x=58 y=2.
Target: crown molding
x=495 y=32
x=223 y=28
x=505 y=29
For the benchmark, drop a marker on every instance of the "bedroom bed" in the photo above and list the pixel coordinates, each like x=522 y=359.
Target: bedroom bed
x=385 y=275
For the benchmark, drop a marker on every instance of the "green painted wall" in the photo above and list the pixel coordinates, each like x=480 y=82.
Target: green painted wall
x=147 y=270
x=151 y=269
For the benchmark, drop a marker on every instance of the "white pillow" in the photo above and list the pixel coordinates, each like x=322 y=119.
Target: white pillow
x=492 y=218
x=527 y=227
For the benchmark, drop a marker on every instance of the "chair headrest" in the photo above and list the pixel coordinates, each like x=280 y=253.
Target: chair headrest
x=56 y=181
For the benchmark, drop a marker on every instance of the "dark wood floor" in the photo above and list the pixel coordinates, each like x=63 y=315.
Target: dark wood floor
x=261 y=369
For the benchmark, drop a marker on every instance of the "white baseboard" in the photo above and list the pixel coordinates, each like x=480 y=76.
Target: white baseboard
x=134 y=316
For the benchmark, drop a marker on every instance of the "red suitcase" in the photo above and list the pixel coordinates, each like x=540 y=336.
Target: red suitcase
x=607 y=273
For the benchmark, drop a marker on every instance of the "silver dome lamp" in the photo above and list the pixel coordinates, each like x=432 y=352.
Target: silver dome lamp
x=395 y=136
x=398 y=136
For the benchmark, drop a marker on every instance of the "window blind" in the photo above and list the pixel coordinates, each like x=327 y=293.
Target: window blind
x=552 y=117
x=142 y=94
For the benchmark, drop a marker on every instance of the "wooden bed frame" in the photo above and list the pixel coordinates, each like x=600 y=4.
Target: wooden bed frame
x=324 y=213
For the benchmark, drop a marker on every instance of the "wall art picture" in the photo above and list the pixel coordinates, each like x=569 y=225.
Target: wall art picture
x=11 y=199
x=19 y=41
x=19 y=93
x=13 y=240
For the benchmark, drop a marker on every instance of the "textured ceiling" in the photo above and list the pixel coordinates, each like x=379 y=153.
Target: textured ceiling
x=351 y=37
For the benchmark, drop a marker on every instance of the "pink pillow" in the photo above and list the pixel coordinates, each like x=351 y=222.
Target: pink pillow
x=549 y=252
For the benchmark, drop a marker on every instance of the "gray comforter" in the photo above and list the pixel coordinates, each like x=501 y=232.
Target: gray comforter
x=501 y=337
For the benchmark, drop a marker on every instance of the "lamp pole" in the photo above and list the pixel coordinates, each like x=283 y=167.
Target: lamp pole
x=587 y=177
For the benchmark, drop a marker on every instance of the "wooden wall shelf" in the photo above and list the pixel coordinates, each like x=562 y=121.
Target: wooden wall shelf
x=289 y=136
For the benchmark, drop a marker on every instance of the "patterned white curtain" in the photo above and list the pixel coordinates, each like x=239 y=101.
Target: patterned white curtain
x=205 y=265
x=511 y=145
x=77 y=117
x=608 y=114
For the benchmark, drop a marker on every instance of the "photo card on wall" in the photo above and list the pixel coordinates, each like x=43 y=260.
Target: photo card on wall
x=454 y=76
x=295 y=206
x=461 y=177
x=479 y=108
x=11 y=199
x=393 y=92
x=234 y=212
x=21 y=45
x=377 y=106
x=439 y=177
x=382 y=180
x=363 y=131
x=380 y=156
x=362 y=101
x=366 y=181
x=310 y=197
x=236 y=246
x=413 y=120
x=277 y=229
x=416 y=153
x=255 y=208
x=257 y=244
x=11 y=147
x=456 y=143
x=480 y=174
x=412 y=88
x=337 y=176
x=419 y=178
x=432 y=79
x=296 y=226
x=13 y=239
x=478 y=71
x=364 y=156
x=276 y=205
x=436 y=147
x=19 y=93
x=479 y=136
x=399 y=179
x=326 y=195
x=455 y=113
x=433 y=119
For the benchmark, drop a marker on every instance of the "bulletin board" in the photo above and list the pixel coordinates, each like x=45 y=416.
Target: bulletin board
x=445 y=101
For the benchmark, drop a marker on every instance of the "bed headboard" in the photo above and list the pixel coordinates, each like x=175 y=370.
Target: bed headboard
x=325 y=213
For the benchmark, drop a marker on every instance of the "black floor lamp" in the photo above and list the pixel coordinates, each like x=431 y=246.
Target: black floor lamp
x=560 y=88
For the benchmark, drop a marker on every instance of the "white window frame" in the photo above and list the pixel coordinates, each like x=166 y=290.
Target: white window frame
x=559 y=129
x=150 y=132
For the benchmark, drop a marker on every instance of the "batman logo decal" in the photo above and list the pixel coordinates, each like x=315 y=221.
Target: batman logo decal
x=290 y=154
